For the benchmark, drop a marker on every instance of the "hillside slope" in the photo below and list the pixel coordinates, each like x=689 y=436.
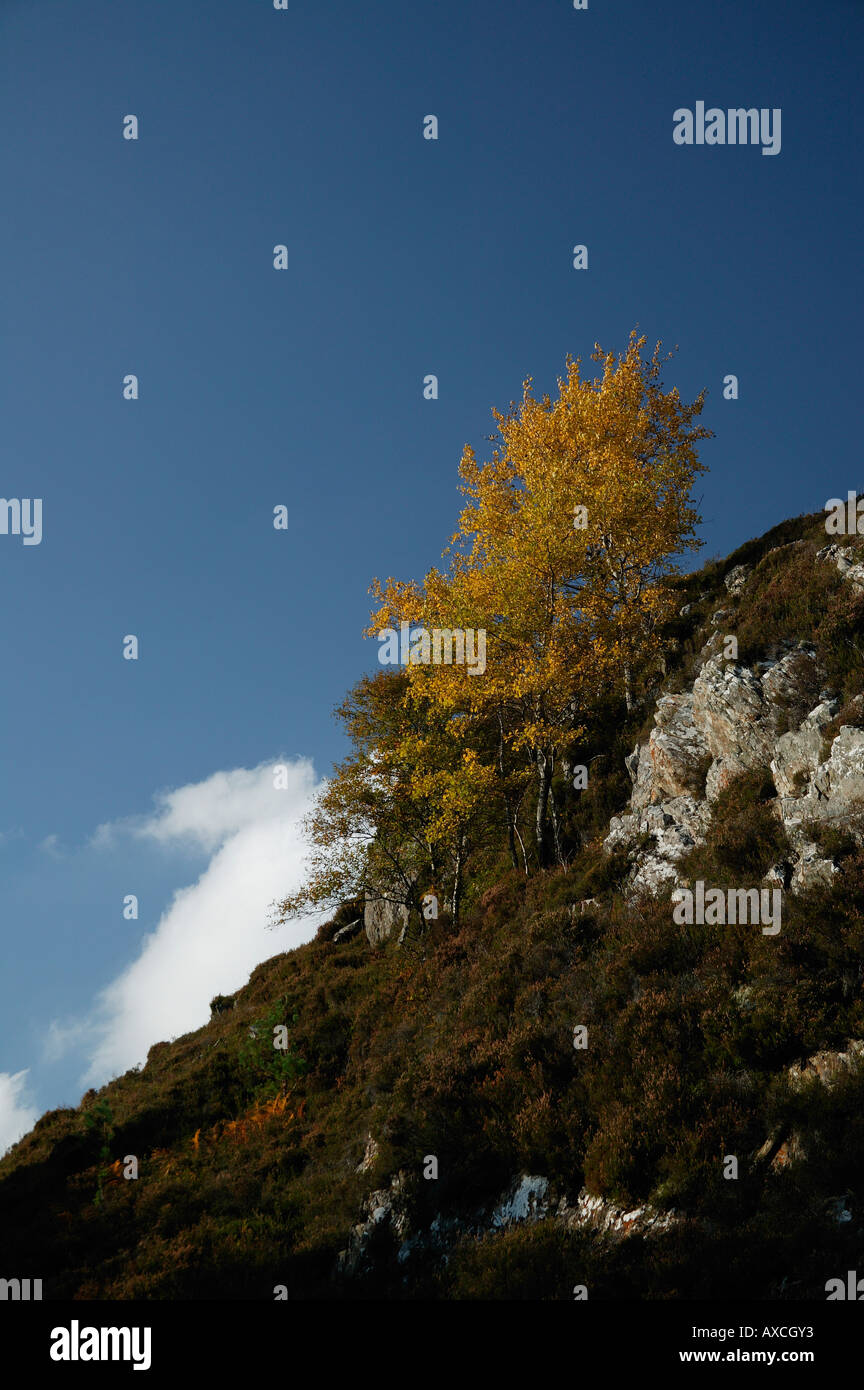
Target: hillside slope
x=431 y=1101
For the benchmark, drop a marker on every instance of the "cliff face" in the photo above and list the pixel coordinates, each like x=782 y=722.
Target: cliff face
x=572 y=1091
x=776 y=713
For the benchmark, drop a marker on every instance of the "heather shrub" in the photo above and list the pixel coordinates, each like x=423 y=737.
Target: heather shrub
x=265 y=1068
x=538 y=1261
x=791 y=592
x=747 y=836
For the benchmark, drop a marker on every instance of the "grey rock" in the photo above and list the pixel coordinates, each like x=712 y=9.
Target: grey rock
x=384 y=1207
x=796 y=755
x=672 y=762
x=586 y=905
x=734 y=716
x=631 y=762
x=381 y=918
x=812 y=870
x=677 y=748
x=827 y=1067
x=527 y=1200
x=738 y=711
x=836 y=789
x=370 y=1154
x=778 y=876
x=613 y=1220
x=720 y=774
x=847 y=560
x=676 y=826
x=842 y=776
x=823 y=713
x=623 y=831
x=652 y=874
x=350 y=929
x=727 y=706
x=838 y=1209
x=737 y=578
x=641 y=770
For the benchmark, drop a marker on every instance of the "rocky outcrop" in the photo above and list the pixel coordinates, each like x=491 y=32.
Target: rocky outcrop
x=677 y=751
x=668 y=776
x=530 y=1197
x=383 y=1209
x=612 y=1220
x=817 y=791
x=382 y=917
x=797 y=755
x=785 y=1145
x=811 y=869
x=370 y=1155
x=836 y=789
x=847 y=559
x=739 y=718
x=528 y=1200
x=349 y=930
x=827 y=1067
x=584 y=905
x=736 y=579
x=739 y=710
x=675 y=827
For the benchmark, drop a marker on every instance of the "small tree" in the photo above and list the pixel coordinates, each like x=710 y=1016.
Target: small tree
x=561 y=558
x=400 y=808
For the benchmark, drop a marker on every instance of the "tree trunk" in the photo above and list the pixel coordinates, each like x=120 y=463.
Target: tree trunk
x=553 y=810
x=628 y=687
x=511 y=840
x=456 y=898
x=522 y=847
x=544 y=783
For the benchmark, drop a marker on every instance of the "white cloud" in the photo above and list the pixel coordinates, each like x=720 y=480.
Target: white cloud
x=16 y=1115
x=202 y=815
x=214 y=932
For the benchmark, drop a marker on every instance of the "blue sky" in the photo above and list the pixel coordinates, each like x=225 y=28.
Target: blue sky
x=303 y=387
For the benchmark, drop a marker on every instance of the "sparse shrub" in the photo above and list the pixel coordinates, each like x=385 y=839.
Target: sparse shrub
x=99 y=1121
x=791 y=593
x=536 y=1261
x=265 y=1068
x=601 y=873
x=747 y=836
x=835 y=841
